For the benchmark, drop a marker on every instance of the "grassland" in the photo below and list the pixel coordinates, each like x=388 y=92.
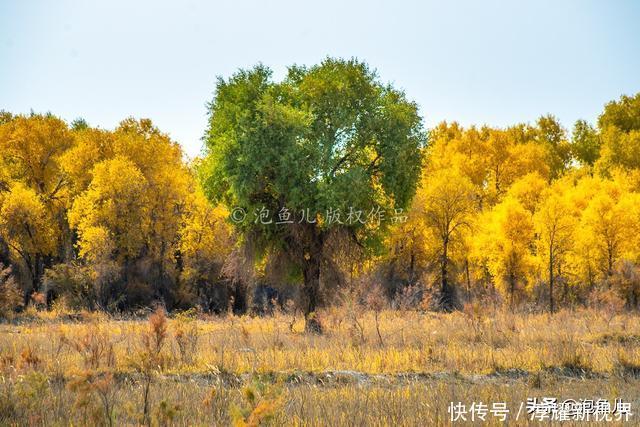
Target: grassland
x=87 y=368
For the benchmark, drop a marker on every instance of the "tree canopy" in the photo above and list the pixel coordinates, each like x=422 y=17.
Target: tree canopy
x=316 y=185
x=327 y=142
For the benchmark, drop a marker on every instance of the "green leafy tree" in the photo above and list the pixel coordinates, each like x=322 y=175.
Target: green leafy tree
x=553 y=137
x=620 y=134
x=586 y=143
x=624 y=114
x=328 y=140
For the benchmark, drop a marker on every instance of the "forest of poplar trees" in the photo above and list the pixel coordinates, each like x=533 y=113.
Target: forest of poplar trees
x=532 y=216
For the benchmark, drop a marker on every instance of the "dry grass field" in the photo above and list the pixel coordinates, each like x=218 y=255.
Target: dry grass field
x=61 y=369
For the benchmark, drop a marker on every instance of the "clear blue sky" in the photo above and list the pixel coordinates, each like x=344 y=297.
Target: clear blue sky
x=493 y=62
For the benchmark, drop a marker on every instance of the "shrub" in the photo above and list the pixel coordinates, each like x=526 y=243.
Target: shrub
x=262 y=405
x=94 y=346
x=103 y=386
x=11 y=296
x=150 y=357
x=186 y=336
x=607 y=302
x=74 y=283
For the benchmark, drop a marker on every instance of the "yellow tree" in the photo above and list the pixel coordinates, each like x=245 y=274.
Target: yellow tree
x=148 y=230
x=31 y=148
x=90 y=147
x=498 y=157
x=206 y=239
x=112 y=221
x=529 y=191
x=169 y=183
x=608 y=227
x=410 y=245
x=504 y=243
x=446 y=202
x=116 y=202
x=463 y=149
x=525 y=159
x=509 y=161
x=492 y=159
x=30 y=151
x=26 y=226
x=554 y=225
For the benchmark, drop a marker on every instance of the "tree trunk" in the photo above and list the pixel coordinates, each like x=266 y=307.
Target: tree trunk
x=33 y=279
x=468 y=276
x=5 y=258
x=412 y=268
x=512 y=289
x=311 y=288
x=310 y=291
x=551 y=308
x=392 y=289
x=446 y=297
x=610 y=263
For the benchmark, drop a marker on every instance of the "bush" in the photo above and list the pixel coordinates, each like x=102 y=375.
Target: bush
x=73 y=282
x=607 y=302
x=11 y=296
x=84 y=287
x=626 y=278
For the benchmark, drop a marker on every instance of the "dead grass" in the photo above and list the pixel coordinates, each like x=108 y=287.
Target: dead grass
x=403 y=369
